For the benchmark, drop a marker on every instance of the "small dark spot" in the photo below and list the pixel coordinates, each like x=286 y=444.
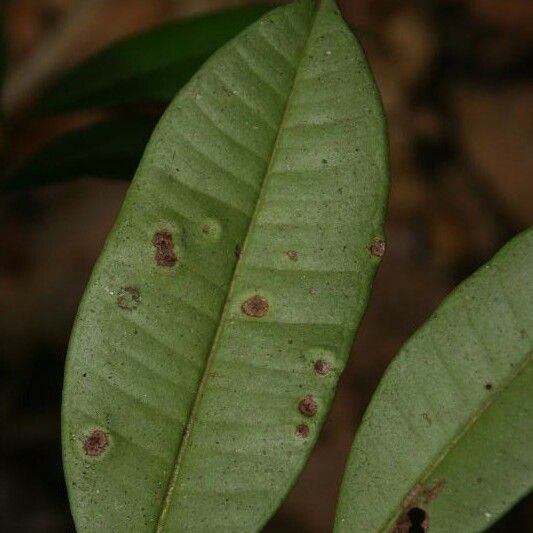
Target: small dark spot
x=308 y=406
x=324 y=161
x=322 y=367
x=84 y=374
x=238 y=250
x=290 y=341
x=96 y=443
x=205 y=229
x=427 y=418
x=413 y=520
x=292 y=255
x=488 y=386
x=377 y=248
x=302 y=430
x=255 y=306
x=164 y=249
x=128 y=298
x=418 y=519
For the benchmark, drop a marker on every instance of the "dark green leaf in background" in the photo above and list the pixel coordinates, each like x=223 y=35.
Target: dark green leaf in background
x=110 y=149
x=447 y=438
x=222 y=310
x=151 y=66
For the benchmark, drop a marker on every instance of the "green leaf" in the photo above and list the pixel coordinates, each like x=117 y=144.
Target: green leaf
x=111 y=149
x=448 y=432
x=151 y=66
x=217 y=320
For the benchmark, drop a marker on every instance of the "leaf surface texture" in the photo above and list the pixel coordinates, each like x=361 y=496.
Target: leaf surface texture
x=449 y=430
x=222 y=310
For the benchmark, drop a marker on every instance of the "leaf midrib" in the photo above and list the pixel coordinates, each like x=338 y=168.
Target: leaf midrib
x=463 y=430
x=174 y=477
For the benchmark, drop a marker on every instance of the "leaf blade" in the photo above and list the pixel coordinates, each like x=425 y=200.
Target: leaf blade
x=449 y=447
x=229 y=383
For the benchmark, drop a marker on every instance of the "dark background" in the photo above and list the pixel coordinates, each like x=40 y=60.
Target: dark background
x=457 y=87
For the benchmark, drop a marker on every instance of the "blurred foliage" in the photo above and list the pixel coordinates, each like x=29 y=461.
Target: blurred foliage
x=150 y=66
x=147 y=67
x=3 y=42
x=110 y=149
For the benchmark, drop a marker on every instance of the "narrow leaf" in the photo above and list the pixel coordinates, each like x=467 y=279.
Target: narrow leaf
x=151 y=66
x=446 y=440
x=217 y=321
x=111 y=149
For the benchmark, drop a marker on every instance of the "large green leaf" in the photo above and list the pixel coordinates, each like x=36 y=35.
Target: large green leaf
x=217 y=320
x=446 y=440
x=151 y=66
x=111 y=149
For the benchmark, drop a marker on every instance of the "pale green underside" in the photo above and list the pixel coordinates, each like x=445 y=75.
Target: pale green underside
x=454 y=410
x=277 y=144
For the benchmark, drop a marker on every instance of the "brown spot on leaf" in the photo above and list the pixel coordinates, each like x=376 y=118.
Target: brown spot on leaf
x=488 y=386
x=302 y=430
x=128 y=298
x=427 y=418
x=164 y=249
x=430 y=493
x=308 y=406
x=377 y=248
x=413 y=517
x=96 y=443
x=408 y=501
x=292 y=255
x=256 y=306
x=322 y=367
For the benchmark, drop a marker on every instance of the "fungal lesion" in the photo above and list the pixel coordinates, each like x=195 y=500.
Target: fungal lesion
x=256 y=306
x=322 y=367
x=302 y=431
x=308 y=406
x=129 y=298
x=292 y=255
x=414 y=515
x=377 y=247
x=96 y=443
x=211 y=229
x=164 y=254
